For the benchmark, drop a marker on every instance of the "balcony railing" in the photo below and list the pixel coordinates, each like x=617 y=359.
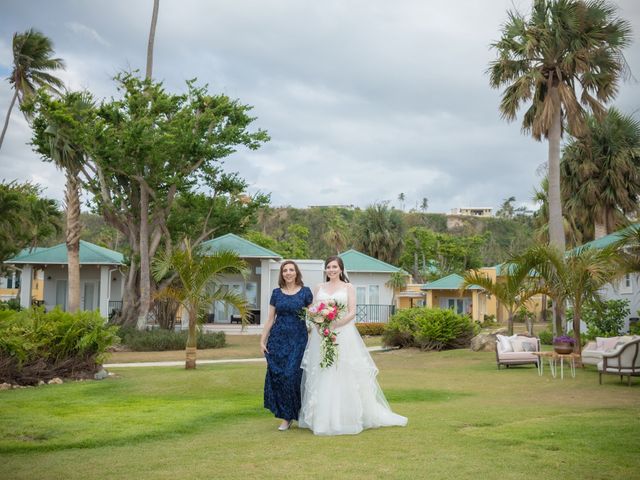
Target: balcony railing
x=115 y=307
x=374 y=313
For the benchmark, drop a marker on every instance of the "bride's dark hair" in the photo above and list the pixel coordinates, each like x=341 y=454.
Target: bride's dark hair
x=334 y=258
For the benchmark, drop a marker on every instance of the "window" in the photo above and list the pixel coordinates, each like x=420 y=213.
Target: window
x=361 y=295
x=625 y=284
x=374 y=294
x=61 y=294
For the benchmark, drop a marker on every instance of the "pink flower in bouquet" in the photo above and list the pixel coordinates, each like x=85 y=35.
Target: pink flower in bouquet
x=322 y=314
x=326 y=332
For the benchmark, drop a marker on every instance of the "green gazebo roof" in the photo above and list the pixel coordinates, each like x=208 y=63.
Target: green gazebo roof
x=90 y=254
x=242 y=247
x=355 y=261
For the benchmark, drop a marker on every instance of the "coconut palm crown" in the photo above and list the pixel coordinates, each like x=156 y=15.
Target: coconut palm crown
x=195 y=285
x=543 y=59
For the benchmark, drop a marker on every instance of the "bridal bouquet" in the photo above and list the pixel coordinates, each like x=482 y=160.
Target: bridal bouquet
x=321 y=314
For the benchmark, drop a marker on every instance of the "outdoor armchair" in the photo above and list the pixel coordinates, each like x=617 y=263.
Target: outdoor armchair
x=623 y=361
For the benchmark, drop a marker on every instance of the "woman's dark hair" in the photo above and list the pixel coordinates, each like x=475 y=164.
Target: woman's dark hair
x=281 y=281
x=334 y=258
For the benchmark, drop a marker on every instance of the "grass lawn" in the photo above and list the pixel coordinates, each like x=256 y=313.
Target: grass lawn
x=466 y=420
x=237 y=346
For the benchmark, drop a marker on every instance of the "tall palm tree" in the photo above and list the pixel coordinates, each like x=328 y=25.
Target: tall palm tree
x=576 y=230
x=32 y=62
x=629 y=248
x=379 y=232
x=397 y=281
x=562 y=46
x=152 y=38
x=575 y=276
x=56 y=131
x=512 y=293
x=335 y=234
x=195 y=285
x=600 y=172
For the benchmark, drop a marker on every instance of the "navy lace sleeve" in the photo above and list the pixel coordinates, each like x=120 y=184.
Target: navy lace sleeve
x=273 y=297
x=308 y=296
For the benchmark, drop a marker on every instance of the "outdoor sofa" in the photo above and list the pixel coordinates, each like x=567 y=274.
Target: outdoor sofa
x=624 y=360
x=517 y=350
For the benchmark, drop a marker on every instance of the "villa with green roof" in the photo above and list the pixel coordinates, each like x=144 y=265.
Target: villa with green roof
x=369 y=276
x=101 y=278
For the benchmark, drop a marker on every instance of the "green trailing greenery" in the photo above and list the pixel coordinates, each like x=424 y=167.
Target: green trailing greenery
x=37 y=345
x=429 y=329
x=159 y=340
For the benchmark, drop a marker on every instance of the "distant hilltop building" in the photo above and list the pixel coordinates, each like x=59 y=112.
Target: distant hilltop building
x=472 y=211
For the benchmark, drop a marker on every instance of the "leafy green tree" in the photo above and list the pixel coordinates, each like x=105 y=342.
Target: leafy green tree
x=561 y=46
x=195 y=285
x=600 y=172
x=335 y=234
x=397 y=282
x=295 y=245
x=575 y=277
x=32 y=64
x=427 y=254
x=379 y=232
x=262 y=239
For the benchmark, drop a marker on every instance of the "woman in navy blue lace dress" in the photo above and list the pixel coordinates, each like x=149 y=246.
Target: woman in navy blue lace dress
x=283 y=341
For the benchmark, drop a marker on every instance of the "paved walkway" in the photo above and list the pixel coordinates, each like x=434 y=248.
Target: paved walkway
x=180 y=363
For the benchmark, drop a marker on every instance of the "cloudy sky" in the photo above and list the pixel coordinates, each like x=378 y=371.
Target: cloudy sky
x=363 y=99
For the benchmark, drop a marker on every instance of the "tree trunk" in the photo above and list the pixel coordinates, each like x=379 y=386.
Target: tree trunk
x=600 y=226
x=72 y=199
x=152 y=37
x=558 y=315
x=556 y=225
x=510 y=323
x=6 y=120
x=145 y=271
x=191 y=349
x=576 y=328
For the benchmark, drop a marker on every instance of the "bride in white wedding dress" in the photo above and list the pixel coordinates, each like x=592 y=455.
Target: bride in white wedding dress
x=344 y=398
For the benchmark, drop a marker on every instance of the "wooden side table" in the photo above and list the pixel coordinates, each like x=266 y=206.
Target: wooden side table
x=553 y=358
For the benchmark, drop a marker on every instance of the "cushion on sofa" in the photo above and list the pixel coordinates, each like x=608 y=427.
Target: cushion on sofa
x=605 y=343
x=518 y=343
x=504 y=343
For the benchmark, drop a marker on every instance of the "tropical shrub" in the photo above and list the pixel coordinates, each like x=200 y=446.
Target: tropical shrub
x=603 y=319
x=375 y=328
x=429 y=329
x=11 y=304
x=37 y=345
x=160 y=340
x=546 y=337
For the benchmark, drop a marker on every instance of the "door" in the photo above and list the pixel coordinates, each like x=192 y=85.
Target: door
x=90 y=292
x=61 y=294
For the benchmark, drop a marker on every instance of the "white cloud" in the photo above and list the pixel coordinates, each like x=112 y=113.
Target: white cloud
x=84 y=31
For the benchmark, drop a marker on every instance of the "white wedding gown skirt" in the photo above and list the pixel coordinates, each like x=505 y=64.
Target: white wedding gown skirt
x=345 y=398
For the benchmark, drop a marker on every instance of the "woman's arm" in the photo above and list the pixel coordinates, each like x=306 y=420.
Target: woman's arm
x=267 y=328
x=351 y=308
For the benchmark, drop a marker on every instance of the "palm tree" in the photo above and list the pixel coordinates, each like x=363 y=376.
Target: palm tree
x=55 y=137
x=575 y=276
x=195 y=285
x=397 y=281
x=401 y=198
x=543 y=59
x=32 y=60
x=152 y=37
x=600 y=172
x=379 y=232
x=512 y=293
x=335 y=235
x=576 y=231
x=629 y=248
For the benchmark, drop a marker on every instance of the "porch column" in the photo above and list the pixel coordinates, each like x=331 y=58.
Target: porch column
x=105 y=281
x=265 y=289
x=26 y=278
x=429 y=299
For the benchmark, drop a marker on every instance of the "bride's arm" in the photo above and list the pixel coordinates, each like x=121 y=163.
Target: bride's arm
x=351 y=308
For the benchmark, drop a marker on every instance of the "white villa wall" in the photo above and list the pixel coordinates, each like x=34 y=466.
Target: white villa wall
x=377 y=279
x=621 y=291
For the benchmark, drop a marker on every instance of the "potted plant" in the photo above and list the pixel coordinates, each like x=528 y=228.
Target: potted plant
x=563 y=344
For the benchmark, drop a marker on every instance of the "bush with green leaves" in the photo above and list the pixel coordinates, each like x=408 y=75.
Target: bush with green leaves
x=373 y=328
x=429 y=329
x=158 y=340
x=603 y=319
x=37 y=345
x=546 y=337
x=11 y=304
